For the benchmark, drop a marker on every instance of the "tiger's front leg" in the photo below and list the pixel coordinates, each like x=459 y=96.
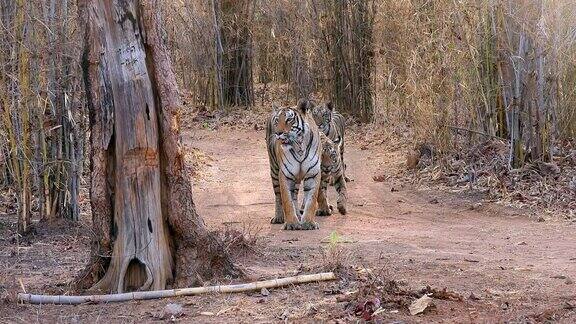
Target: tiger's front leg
x=324 y=209
x=341 y=149
x=311 y=189
x=340 y=186
x=287 y=188
x=278 y=212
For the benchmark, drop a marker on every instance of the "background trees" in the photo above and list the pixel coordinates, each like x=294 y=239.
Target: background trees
x=347 y=30
x=235 y=39
x=42 y=124
x=492 y=67
x=452 y=72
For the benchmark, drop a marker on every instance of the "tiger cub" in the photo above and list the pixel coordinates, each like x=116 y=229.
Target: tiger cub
x=332 y=124
x=332 y=173
x=294 y=152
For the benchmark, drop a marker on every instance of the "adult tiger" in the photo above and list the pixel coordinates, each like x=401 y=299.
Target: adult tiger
x=332 y=124
x=293 y=141
x=332 y=173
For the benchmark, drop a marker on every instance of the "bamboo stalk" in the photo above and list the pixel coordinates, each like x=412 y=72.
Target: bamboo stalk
x=23 y=133
x=219 y=52
x=142 y=295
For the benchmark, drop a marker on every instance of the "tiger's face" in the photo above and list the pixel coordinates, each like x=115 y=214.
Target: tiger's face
x=330 y=155
x=287 y=127
x=322 y=114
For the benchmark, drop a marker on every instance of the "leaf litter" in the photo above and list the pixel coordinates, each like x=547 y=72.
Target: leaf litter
x=375 y=296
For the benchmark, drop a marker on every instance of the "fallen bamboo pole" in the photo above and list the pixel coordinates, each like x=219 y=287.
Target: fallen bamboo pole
x=141 y=295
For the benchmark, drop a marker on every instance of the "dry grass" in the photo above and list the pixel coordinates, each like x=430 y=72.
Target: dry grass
x=439 y=64
x=240 y=242
x=439 y=60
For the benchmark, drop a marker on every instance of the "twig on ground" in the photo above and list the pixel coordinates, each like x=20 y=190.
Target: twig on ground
x=476 y=132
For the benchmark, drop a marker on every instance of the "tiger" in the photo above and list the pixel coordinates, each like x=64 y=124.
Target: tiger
x=332 y=173
x=294 y=152
x=332 y=124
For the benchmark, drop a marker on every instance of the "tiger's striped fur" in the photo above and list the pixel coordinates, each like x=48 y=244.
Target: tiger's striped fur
x=294 y=149
x=332 y=173
x=332 y=124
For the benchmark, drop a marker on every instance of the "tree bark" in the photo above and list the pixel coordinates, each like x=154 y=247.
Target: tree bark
x=147 y=230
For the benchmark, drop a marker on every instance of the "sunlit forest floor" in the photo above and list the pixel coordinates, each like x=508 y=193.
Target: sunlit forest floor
x=497 y=263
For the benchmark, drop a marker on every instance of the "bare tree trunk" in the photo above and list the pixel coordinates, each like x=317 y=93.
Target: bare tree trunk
x=218 y=53
x=21 y=121
x=350 y=48
x=148 y=232
x=236 y=42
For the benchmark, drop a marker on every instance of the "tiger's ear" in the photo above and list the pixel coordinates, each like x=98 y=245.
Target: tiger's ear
x=330 y=105
x=303 y=105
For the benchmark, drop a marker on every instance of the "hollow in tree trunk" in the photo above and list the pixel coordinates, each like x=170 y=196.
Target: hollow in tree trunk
x=147 y=232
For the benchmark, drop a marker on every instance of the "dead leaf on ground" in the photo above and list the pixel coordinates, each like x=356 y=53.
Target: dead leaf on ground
x=444 y=294
x=367 y=309
x=332 y=291
x=420 y=305
x=379 y=178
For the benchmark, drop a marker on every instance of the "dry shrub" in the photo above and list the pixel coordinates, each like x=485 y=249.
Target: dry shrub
x=469 y=76
x=335 y=257
x=239 y=242
x=415 y=85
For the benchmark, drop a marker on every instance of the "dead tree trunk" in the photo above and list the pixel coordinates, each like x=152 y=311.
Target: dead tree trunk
x=147 y=230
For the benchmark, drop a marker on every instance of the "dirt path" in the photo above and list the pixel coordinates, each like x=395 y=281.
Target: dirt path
x=519 y=270
x=517 y=265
